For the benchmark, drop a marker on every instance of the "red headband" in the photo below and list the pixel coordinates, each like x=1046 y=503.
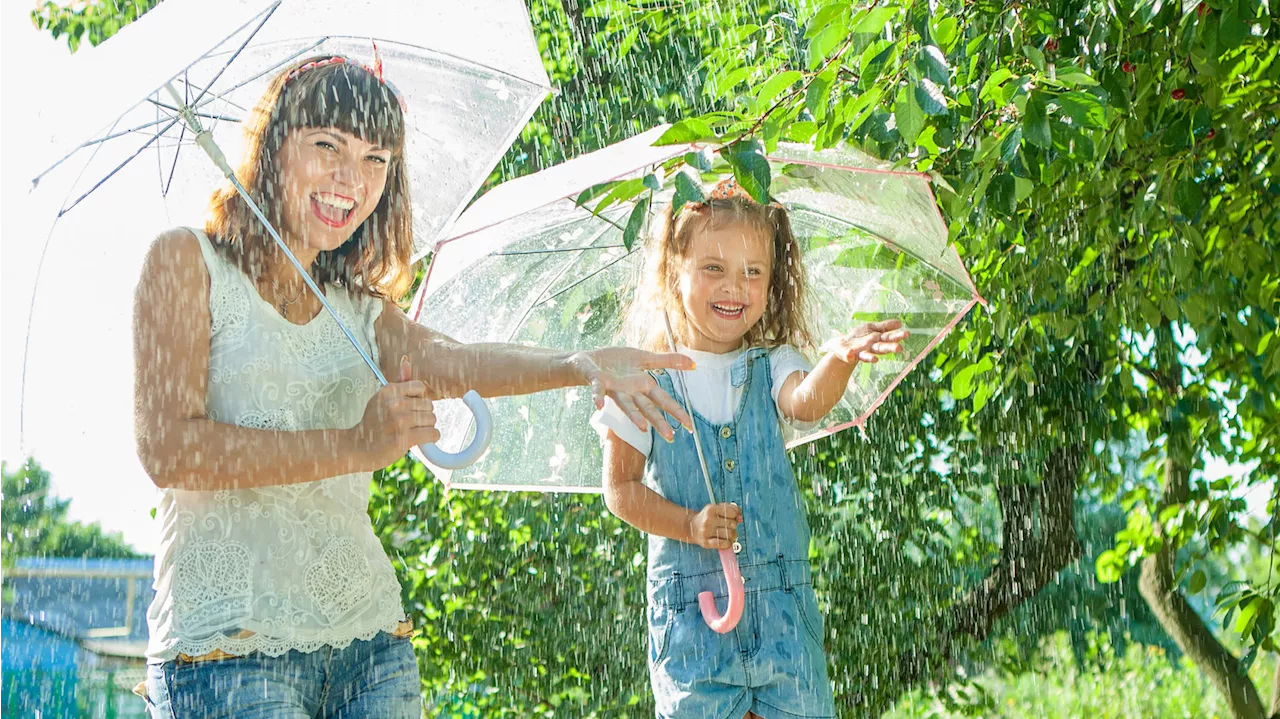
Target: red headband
x=376 y=71
x=727 y=188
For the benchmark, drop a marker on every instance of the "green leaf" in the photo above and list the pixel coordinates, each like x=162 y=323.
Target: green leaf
x=1035 y=56
x=873 y=20
x=908 y=115
x=775 y=85
x=750 y=169
x=1233 y=28
x=962 y=381
x=1084 y=109
x=1073 y=77
x=944 y=33
x=700 y=159
x=1197 y=582
x=653 y=182
x=1188 y=197
x=933 y=64
x=693 y=129
x=1002 y=195
x=821 y=46
x=817 y=97
x=930 y=97
x=993 y=84
x=635 y=223
x=1035 y=123
x=825 y=16
x=687 y=190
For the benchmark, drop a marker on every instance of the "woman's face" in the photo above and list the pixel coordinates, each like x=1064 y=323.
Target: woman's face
x=332 y=181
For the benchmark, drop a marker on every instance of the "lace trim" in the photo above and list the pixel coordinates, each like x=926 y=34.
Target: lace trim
x=273 y=647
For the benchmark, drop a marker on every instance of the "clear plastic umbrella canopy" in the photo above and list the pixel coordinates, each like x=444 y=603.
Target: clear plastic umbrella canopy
x=527 y=263
x=122 y=165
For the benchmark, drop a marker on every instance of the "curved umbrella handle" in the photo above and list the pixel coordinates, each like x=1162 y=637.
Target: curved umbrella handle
x=707 y=600
x=479 y=443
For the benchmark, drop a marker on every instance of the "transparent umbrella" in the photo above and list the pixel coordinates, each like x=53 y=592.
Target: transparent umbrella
x=133 y=116
x=529 y=263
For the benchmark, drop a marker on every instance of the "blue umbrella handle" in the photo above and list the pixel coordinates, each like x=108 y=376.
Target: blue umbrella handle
x=479 y=443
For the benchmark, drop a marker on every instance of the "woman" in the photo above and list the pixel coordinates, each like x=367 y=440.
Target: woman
x=261 y=424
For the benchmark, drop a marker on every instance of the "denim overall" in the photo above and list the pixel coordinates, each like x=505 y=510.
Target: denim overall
x=772 y=663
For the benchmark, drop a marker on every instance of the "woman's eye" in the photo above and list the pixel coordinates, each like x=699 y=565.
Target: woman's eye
x=325 y=145
x=378 y=159
x=753 y=272
x=712 y=268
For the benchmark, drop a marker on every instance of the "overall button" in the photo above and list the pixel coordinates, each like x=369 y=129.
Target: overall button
x=737 y=547
x=726 y=433
x=729 y=464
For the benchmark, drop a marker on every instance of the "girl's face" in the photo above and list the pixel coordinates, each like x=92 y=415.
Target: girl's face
x=724 y=285
x=332 y=181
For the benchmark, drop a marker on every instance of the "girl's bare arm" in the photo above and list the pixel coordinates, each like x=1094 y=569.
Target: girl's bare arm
x=715 y=527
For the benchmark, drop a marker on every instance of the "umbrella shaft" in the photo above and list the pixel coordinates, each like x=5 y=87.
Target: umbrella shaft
x=688 y=407
x=306 y=277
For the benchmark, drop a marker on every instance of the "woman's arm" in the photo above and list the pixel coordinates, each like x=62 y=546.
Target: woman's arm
x=808 y=398
x=178 y=445
x=452 y=368
x=715 y=527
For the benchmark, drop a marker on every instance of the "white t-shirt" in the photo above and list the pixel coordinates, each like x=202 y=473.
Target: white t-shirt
x=711 y=392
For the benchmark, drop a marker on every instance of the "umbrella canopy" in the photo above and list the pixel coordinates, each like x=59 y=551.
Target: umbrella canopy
x=469 y=75
x=528 y=263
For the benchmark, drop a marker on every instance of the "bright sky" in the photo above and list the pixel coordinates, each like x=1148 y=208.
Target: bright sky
x=120 y=498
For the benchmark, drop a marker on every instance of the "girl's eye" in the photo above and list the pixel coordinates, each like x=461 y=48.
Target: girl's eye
x=753 y=272
x=712 y=268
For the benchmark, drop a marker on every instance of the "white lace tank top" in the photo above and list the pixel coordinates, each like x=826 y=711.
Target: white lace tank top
x=275 y=568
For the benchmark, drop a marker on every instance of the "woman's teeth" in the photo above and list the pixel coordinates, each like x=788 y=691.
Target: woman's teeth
x=338 y=201
x=333 y=210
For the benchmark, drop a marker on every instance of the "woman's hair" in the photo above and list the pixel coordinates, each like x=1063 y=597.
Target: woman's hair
x=785 y=319
x=342 y=95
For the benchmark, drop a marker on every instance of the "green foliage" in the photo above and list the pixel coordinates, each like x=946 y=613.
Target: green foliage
x=36 y=525
x=1139 y=681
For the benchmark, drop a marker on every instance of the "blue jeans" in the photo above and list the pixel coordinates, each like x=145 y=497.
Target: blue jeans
x=374 y=678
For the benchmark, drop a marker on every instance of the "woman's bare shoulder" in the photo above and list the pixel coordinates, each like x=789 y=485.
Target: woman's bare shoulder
x=175 y=258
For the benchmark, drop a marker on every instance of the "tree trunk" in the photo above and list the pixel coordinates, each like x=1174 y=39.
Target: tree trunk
x=1275 y=695
x=1029 y=560
x=1181 y=621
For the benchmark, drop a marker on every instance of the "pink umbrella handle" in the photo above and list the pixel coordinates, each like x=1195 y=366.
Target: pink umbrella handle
x=707 y=600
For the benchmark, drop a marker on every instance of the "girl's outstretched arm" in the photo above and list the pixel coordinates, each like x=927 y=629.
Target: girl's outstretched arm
x=808 y=398
x=715 y=527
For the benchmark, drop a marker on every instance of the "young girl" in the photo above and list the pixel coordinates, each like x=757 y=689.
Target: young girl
x=728 y=275
x=261 y=425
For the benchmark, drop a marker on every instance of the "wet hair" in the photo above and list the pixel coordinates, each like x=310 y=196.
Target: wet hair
x=785 y=319
x=346 y=96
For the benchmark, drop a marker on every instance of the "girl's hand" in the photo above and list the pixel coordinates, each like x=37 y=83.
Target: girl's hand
x=716 y=526
x=398 y=417
x=867 y=342
x=621 y=374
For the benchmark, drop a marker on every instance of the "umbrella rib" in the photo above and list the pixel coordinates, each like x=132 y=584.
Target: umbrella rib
x=515 y=253
x=111 y=174
x=173 y=168
x=269 y=70
x=171 y=108
x=266 y=15
x=584 y=279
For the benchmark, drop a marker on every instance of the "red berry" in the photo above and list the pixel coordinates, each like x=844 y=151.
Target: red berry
x=1051 y=45
x=1210 y=134
x=1127 y=66
x=1178 y=94
x=1201 y=9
